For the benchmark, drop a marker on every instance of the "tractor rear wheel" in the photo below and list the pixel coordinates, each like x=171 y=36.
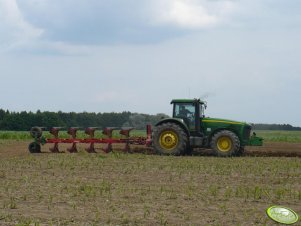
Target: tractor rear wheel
x=170 y=139
x=225 y=143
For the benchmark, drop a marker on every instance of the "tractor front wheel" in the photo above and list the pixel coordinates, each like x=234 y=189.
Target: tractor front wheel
x=225 y=143
x=170 y=139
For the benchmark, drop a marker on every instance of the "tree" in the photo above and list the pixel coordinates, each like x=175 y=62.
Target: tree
x=2 y=114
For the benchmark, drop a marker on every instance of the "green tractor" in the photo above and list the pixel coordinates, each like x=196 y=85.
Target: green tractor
x=189 y=128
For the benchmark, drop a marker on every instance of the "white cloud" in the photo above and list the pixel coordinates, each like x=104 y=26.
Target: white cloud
x=15 y=31
x=192 y=14
x=102 y=22
x=18 y=34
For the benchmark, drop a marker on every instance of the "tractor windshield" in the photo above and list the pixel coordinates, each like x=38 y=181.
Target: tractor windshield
x=185 y=111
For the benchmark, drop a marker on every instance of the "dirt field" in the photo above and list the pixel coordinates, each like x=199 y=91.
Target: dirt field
x=144 y=189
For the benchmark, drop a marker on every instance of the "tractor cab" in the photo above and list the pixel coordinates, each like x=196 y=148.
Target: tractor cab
x=190 y=111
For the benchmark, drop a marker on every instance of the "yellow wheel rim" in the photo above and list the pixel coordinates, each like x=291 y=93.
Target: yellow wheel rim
x=224 y=144
x=168 y=140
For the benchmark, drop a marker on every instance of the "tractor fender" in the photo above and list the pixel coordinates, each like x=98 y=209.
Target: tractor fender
x=177 y=121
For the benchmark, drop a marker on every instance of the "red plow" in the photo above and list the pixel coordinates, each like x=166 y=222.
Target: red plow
x=107 y=140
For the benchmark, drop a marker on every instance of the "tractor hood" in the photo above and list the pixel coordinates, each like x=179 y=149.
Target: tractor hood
x=224 y=121
x=241 y=129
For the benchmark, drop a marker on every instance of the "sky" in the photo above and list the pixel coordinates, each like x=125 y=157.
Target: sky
x=241 y=56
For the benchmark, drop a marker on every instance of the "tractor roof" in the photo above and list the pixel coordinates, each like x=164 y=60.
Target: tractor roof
x=187 y=101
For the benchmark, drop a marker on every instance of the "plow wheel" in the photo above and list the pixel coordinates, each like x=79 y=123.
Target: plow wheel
x=170 y=139
x=225 y=143
x=34 y=147
x=36 y=132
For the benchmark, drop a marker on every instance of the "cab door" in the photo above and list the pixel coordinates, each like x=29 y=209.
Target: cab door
x=185 y=111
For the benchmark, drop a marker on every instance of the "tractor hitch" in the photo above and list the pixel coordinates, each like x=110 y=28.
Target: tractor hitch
x=255 y=141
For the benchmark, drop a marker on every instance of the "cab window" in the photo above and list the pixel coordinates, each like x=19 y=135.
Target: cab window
x=185 y=111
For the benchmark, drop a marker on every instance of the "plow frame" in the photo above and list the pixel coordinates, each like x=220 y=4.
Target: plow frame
x=127 y=140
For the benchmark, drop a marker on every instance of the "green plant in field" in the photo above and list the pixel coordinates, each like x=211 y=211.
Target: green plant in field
x=172 y=195
x=50 y=201
x=105 y=187
x=162 y=189
x=257 y=193
x=279 y=193
x=97 y=217
x=24 y=197
x=299 y=195
x=213 y=190
x=162 y=218
x=267 y=192
x=24 y=222
x=88 y=190
x=13 y=135
x=228 y=193
x=2 y=174
x=224 y=208
x=12 y=203
x=28 y=222
x=40 y=197
x=280 y=136
x=146 y=212
x=239 y=192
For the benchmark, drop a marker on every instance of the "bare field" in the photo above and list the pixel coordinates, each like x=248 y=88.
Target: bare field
x=145 y=189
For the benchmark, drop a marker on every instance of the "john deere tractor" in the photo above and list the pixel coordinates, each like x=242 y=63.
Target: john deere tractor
x=189 y=128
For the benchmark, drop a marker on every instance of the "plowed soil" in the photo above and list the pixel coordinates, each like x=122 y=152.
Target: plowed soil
x=146 y=189
x=275 y=149
x=269 y=149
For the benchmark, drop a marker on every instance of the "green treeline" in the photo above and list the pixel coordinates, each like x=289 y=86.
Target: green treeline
x=23 y=121
x=286 y=127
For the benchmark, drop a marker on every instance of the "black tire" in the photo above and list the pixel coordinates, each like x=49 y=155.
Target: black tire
x=34 y=147
x=169 y=139
x=241 y=151
x=189 y=150
x=36 y=132
x=225 y=143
